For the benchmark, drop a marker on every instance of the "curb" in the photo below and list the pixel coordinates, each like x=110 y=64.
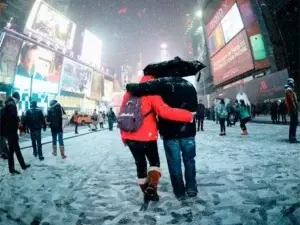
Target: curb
x=78 y=135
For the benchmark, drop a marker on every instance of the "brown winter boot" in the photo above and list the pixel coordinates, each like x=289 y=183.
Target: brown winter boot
x=244 y=132
x=154 y=175
x=54 y=152
x=62 y=152
x=142 y=182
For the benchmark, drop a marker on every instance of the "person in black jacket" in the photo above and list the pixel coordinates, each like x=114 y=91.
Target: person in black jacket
x=34 y=120
x=9 y=127
x=55 y=118
x=178 y=137
x=200 y=113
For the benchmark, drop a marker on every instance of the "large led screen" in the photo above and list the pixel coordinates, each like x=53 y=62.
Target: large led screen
x=232 y=60
x=91 y=49
x=96 y=86
x=46 y=22
x=216 y=40
x=76 y=78
x=232 y=23
x=9 y=52
x=41 y=66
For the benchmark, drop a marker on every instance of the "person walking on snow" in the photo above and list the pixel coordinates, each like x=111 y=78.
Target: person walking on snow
x=200 y=114
x=142 y=140
x=292 y=107
x=35 y=121
x=100 y=119
x=222 y=112
x=55 y=118
x=76 y=121
x=111 y=117
x=9 y=127
x=244 y=116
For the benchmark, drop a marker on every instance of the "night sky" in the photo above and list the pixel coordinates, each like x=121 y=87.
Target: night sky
x=140 y=27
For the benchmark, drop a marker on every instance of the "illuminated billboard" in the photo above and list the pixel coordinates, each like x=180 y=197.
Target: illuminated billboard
x=40 y=65
x=76 y=78
x=91 y=49
x=47 y=24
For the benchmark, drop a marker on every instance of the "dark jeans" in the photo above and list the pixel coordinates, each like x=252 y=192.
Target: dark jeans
x=174 y=149
x=293 y=127
x=200 y=121
x=222 y=125
x=101 y=125
x=110 y=124
x=60 y=137
x=283 y=117
x=36 y=139
x=13 y=147
x=243 y=123
x=76 y=127
x=142 y=151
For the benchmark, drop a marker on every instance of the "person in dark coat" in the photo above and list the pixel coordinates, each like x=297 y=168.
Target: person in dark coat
x=283 y=111
x=35 y=121
x=178 y=138
x=274 y=112
x=10 y=122
x=55 y=118
x=200 y=113
x=111 y=117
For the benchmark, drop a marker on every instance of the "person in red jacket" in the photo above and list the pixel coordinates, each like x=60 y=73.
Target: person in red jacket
x=143 y=142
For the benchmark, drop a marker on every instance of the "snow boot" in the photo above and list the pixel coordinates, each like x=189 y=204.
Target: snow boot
x=142 y=182
x=244 y=132
x=62 y=152
x=154 y=175
x=54 y=152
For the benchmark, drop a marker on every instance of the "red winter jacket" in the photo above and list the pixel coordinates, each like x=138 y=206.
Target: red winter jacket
x=149 y=130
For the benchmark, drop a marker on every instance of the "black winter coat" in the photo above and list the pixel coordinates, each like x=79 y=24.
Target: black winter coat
x=177 y=93
x=200 y=113
x=9 y=118
x=54 y=117
x=34 y=119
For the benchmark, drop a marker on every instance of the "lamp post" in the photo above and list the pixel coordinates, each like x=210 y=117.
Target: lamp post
x=32 y=73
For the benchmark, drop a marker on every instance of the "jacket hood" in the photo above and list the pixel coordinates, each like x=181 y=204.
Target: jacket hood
x=9 y=100
x=53 y=103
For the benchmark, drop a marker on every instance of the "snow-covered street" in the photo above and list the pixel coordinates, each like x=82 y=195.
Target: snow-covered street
x=241 y=180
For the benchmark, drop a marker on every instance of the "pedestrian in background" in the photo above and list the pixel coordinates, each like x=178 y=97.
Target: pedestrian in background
x=111 y=117
x=200 y=113
x=55 y=118
x=34 y=121
x=292 y=106
x=244 y=116
x=100 y=119
x=222 y=112
x=10 y=123
x=75 y=119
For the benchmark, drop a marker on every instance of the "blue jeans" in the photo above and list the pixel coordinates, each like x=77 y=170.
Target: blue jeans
x=174 y=149
x=60 y=138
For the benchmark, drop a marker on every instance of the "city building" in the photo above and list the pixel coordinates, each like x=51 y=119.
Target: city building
x=243 y=46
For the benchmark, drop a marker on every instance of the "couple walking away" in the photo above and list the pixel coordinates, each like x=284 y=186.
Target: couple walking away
x=164 y=93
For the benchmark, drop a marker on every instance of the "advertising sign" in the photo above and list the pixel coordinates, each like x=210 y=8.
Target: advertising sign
x=45 y=22
x=96 y=86
x=216 y=40
x=232 y=23
x=9 y=52
x=234 y=59
x=218 y=16
x=108 y=90
x=76 y=78
x=91 y=49
x=259 y=90
x=40 y=65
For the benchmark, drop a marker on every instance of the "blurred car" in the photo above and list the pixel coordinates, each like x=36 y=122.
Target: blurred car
x=84 y=119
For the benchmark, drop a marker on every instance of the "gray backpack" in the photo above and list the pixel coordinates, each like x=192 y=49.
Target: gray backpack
x=131 y=119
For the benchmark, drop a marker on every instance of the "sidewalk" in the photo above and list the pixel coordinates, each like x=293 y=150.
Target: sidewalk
x=67 y=135
x=267 y=120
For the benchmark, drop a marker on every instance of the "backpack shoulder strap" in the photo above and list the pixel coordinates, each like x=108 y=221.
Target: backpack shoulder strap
x=148 y=113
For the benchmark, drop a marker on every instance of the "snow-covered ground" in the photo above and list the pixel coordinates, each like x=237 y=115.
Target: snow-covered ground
x=241 y=180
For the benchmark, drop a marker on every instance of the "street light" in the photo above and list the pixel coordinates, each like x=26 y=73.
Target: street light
x=163 y=46
x=199 y=14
